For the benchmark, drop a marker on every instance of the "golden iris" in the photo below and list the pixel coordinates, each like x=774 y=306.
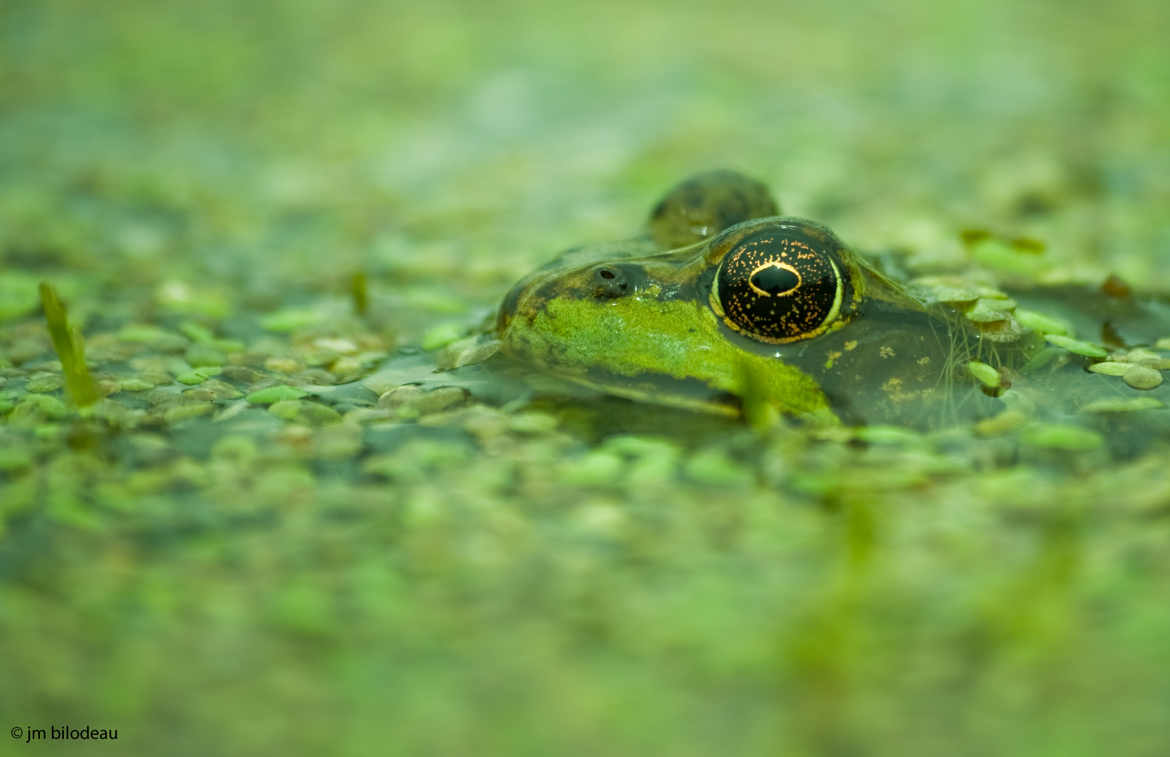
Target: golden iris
x=777 y=285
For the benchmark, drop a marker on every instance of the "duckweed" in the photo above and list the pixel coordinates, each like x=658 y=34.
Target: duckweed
x=1132 y=405
x=182 y=560
x=1141 y=377
x=202 y=355
x=990 y=310
x=14 y=459
x=293 y=319
x=596 y=468
x=18 y=294
x=1002 y=423
x=532 y=423
x=135 y=385
x=180 y=413
x=1041 y=323
x=1110 y=368
x=1076 y=346
x=1007 y=258
x=1058 y=436
x=190 y=378
x=715 y=467
x=219 y=390
x=887 y=435
x=443 y=335
x=38 y=406
x=197 y=333
x=1148 y=358
x=157 y=338
x=304 y=411
x=422 y=401
x=285 y=365
x=44 y=382
x=986 y=374
x=278 y=393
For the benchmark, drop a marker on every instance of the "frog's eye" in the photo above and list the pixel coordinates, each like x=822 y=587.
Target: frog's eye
x=779 y=285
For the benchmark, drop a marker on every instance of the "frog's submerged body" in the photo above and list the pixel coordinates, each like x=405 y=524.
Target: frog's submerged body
x=724 y=305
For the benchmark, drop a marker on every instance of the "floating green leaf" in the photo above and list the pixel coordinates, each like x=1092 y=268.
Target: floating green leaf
x=1076 y=346
x=274 y=394
x=987 y=375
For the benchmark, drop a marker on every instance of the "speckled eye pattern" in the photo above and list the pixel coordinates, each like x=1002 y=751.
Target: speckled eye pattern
x=778 y=288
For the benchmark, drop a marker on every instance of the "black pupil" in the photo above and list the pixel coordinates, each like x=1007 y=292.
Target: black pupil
x=775 y=280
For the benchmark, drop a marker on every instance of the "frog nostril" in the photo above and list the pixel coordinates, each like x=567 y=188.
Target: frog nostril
x=609 y=282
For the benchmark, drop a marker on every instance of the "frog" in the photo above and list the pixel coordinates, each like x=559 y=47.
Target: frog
x=722 y=304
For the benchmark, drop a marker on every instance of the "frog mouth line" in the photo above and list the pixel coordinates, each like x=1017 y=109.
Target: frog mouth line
x=685 y=394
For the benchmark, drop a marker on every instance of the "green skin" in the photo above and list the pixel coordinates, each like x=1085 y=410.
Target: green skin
x=637 y=319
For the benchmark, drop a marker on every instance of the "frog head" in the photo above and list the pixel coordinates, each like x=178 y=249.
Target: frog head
x=772 y=310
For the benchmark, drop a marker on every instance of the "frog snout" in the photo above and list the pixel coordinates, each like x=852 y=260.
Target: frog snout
x=598 y=282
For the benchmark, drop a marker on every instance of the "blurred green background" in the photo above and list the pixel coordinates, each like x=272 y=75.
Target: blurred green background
x=501 y=582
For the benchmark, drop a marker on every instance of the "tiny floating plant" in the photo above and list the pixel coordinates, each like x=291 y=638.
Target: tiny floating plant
x=67 y=342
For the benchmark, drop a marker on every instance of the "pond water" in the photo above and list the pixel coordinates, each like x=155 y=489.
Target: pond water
x=279 y=528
